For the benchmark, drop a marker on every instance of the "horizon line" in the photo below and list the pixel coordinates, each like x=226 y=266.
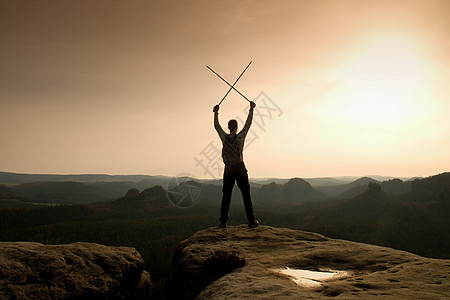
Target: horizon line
x=186 y=174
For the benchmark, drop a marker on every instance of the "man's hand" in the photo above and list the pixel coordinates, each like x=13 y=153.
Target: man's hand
x=252 y=105
x=216 y=108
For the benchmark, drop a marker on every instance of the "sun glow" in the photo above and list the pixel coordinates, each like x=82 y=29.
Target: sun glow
x=382 y=86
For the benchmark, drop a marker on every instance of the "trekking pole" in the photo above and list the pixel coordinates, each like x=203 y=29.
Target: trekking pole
x=231 y=86
x=235 y=82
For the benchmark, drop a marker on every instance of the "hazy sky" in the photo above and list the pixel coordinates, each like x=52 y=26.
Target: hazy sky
x=350 y=87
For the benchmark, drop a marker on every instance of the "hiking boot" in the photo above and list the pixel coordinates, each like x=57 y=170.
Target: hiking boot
x=222 y=225
x=254 y=224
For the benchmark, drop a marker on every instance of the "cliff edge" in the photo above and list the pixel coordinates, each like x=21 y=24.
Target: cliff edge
x=278 y=263
x=31 y=270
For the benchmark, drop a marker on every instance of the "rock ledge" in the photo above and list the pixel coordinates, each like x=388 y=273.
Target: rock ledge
x=375 y=271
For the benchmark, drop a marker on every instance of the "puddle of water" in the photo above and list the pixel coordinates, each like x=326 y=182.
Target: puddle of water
x=307 y=278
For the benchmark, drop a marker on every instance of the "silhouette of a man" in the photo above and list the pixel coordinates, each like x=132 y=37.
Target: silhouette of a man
x=235 y=171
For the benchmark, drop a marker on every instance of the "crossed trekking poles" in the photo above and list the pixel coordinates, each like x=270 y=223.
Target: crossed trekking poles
x=232 y=86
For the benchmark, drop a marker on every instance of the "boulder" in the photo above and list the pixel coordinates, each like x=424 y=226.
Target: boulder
x=31 y=270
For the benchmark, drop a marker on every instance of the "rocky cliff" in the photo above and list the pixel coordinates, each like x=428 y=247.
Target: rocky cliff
x=364 y=271
x=73 y=271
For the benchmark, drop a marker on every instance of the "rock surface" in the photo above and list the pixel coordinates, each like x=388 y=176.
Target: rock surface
x=31 y=270
x=374 y=271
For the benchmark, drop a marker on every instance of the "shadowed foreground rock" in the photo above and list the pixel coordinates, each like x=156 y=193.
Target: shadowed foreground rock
x=374 y=271
x=74 y=271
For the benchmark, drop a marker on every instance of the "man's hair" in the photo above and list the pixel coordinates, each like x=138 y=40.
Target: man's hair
x=232 y=124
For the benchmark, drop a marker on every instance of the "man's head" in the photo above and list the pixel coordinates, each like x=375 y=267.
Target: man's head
x=232 y=125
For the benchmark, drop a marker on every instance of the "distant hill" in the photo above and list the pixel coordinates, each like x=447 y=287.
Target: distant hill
x=391 y=187
x=61 y=192
x=371 y=201
x=336 y=190
x=295 y=191
x=326 y=181
x=418 y=219
x=263 y=181
x=10 y=198
x=7 y=193
x=396 y=186
x=299 y=189
x=19 y=178
x=434 y=187
x=155 y=197
x=152 y=181
x=113 y=189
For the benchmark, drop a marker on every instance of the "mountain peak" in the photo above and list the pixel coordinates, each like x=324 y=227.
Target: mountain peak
x=374 y=188
x=145 y=199
x=297 y=181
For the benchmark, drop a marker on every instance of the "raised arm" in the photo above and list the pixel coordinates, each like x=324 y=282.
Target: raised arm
x=248 y=123
x=217 y=124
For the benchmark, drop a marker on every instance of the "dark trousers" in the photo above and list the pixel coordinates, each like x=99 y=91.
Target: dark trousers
x=236 y=172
